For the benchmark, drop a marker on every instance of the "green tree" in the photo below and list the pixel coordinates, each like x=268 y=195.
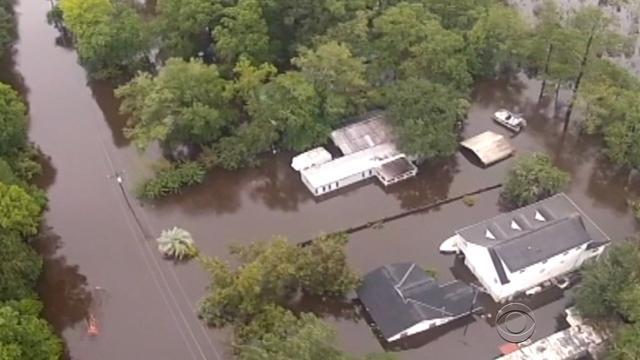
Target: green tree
x=20 y=267
x=110 y=37
x=338 y=76
x=181 y=24
x=424 y=116
x=243 y=32
x=19 y=212
x=291 y=104
x=458 y=15
x=593 y=33
x=496 y=40
x=279 y=334
x=533 y=178
x=13 y=121
x=410 y=42
x=269 y=274
x=322 y=267
x=6 y=28
x=23 y=335
x=622 y=137
x=184 y=104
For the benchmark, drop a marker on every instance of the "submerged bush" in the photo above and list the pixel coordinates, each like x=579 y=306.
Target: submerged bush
x=171 y=179
x=533 y=178
x=177 y=243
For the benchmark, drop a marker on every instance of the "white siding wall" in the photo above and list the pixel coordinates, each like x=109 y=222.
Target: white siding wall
x=479 y=262
x=338 y=184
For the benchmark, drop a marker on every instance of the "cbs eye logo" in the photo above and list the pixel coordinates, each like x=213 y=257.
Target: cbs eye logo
x=515 y=322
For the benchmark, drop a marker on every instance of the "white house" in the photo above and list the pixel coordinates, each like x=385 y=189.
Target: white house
x=519 y=251
x=403 y=300
x=368 y=150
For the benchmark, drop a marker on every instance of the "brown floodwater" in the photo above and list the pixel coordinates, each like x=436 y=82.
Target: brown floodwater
x=100 y=256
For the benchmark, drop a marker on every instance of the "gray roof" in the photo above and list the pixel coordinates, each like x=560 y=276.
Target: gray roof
x=534 y=233
x=365 y=131
x=399 y=296
x=395 y=168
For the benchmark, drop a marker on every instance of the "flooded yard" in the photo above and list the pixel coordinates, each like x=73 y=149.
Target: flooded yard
x=99 y=246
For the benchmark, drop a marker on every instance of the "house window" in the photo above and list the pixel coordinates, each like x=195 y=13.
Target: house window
x=521 y=271
x=544 y=261
x=565 y=253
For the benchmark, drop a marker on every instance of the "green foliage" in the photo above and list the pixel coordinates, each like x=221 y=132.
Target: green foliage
x=171 y=179
x=13 y=121
x=610 y=294
x=184 y=104
x=110 y=37
x=180 y=24
x=278 y=334
x=497 y=41
x=6 y=29
x=177 y=243
x=425 y=115
x=458 y=15
x=25 y=336
x=338 y=76
x=270 y=273
x=532 y=178
x=243 y=32
x=20 y=267
x=19 y=212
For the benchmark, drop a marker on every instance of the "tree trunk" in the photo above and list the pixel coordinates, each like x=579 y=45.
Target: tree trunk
x=545 y=71
x=576 y=85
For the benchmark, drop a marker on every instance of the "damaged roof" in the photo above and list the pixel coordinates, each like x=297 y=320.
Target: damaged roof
x=489 y=147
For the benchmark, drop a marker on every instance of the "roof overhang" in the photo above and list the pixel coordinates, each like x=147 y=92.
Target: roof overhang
x=489 y=147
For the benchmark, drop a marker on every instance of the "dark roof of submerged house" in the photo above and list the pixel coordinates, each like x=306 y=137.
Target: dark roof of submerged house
x=401 y=295
x=531 y=234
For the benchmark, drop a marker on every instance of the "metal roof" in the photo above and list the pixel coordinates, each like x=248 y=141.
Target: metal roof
x=349 y=165
x=366 y=131
x=401 y=295
x=489 y=147
x=401 y=165
x=313 y=157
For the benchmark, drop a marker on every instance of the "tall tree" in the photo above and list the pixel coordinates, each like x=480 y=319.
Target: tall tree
x=13 y=121
x=110 y=37
x=338 y=76
x=23 y=335
x=243 y=32
x=19 y=212
x=496 y=41
x=183 y=24
x=184 y=104
x=425 y=116
x=20 y=268
x=593 y=32
x=458 y=15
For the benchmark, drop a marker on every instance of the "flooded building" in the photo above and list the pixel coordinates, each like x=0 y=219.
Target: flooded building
x=530 y=247
x=368 y=150
x=577 y=342
x=403 y=300
x=489 y=147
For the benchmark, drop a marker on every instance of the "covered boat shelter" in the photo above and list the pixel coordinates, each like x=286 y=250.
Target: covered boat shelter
x=489 y=147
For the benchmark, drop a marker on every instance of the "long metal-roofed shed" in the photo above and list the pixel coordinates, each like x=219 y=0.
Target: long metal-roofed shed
x=489 y=147
x=403 y=300
x=369 y=150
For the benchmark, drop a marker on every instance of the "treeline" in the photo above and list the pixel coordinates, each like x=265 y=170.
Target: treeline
x=281 y=74
x=23 y=333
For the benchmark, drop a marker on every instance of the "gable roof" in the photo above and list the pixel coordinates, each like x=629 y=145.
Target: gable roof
x=363 y=132
x=534 y=233
x=489 y=147
x=401 y=295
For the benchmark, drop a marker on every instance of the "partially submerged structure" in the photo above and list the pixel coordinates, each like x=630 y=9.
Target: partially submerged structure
x=530 y=247
x=403 y=300
x=577 y=342
x=489 y=147
x=368 y=150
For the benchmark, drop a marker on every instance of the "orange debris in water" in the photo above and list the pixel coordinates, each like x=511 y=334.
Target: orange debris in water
x=92 y=326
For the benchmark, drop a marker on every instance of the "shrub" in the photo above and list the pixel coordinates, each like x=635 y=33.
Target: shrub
x=531 y=179
x=177 y=243
x=171 y=180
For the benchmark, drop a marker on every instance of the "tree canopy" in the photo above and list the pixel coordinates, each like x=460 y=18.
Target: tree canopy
x=23 y=335
x=532 y=178
x=13 y=121
x=19 y=212
x=270 y=273
x=20 y=268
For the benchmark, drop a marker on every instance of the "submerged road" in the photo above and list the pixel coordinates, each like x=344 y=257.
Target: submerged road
x=141 y=307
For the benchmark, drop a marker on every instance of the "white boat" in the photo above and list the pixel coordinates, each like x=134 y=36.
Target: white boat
x=450 y=246
x=511 y=121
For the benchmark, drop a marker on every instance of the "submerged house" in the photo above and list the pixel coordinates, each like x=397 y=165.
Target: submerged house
x=403 y=300
x=489 y=147
x=368 y=150
x=530 y=247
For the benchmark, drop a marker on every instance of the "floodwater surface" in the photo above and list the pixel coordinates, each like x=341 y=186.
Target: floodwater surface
x=98 y=242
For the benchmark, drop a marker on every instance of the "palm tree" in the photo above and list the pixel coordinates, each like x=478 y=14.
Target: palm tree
x=177 y=243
